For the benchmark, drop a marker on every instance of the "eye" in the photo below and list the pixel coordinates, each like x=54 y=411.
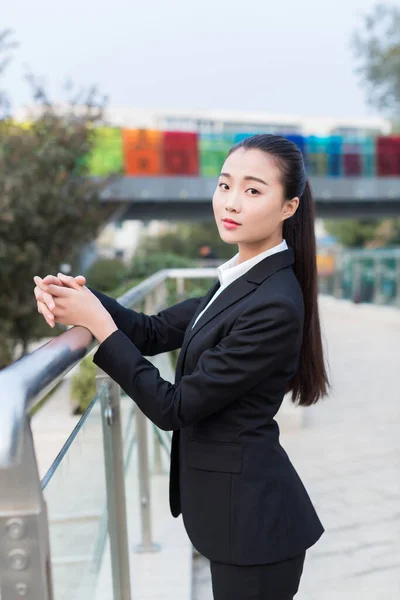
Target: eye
x=253 y=190
x=219 y=185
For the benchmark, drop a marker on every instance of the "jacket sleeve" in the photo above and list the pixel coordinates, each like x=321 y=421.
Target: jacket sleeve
x=264 y=338
x=152 y=334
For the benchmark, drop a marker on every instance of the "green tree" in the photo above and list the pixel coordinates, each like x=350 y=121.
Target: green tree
x=6 y=45
x=49 y=208
x=352 y=233
x=377 y=47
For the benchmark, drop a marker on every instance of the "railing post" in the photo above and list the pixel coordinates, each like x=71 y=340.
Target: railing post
x=115 y=484
x=337 y=276
x=147 y=544
x=156 y=303
x=158 y=468
x=356 y=291
x=164 y=294
x=378 y=272
x=180 y=287
x=397 y=281
x=25 y=567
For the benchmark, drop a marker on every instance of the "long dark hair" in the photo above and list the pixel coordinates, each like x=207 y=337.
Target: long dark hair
x=310 y=383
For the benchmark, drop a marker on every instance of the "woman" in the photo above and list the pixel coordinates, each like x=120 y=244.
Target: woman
x=253 y=337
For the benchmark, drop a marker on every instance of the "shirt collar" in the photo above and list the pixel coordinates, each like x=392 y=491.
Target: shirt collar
x=231 y=270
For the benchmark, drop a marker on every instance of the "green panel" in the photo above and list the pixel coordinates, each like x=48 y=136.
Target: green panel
x=213 y=150
x=106 y=156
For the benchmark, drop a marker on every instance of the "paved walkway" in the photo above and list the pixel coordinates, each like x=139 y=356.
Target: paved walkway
x=348 y=455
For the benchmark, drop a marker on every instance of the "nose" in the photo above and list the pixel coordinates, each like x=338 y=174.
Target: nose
x=232 y=202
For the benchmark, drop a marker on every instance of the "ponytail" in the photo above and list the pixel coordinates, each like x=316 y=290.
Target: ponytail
x=311 y=381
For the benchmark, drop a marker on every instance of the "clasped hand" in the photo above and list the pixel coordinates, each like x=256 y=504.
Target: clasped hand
x=66 y=300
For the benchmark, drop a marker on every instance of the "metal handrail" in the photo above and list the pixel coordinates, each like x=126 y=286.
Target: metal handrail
x=36 y=374
x=28 y=380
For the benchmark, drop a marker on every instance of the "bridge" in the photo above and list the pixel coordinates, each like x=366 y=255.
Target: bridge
x=190 y=197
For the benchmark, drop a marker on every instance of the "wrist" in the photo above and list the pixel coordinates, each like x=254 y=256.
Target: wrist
x=103 y=328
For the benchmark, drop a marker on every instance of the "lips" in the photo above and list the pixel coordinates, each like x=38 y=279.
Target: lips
x=230 y=221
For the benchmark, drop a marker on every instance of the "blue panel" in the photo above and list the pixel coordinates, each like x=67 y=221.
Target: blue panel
x=239 y=137
x=299 y=140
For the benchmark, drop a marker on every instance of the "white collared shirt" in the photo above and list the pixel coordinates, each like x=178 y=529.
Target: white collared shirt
x=231 y=270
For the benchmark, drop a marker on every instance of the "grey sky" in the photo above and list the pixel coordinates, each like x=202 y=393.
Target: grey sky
x=279 y=56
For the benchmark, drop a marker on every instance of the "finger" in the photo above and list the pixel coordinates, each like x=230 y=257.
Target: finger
x=44 y=297
x=69 y=281
x=80 y=279
x=41 y=284
x=53 y=289
x=42 y=309
x=51 y=279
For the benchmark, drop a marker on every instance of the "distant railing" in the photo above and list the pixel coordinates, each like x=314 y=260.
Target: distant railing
x=363 y=276
x=25 y=557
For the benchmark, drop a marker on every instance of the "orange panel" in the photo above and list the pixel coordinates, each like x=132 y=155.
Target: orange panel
x=142 y=151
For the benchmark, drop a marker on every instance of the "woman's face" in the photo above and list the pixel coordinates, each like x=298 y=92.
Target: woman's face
x=249 y=192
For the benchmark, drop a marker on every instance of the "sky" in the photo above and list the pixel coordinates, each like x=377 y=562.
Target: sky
x=282 y=57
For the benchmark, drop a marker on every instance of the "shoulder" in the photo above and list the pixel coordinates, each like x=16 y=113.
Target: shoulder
x=281 y=289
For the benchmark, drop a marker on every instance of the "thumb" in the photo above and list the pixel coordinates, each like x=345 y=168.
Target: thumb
x=80 y=279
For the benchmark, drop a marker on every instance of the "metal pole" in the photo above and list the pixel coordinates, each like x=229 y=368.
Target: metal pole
x=180 y=287
x=378 y=295
x=337 y=276
x=158 y=468
x=115 y=485
x=146 y=544
x=356 y=291
x=398 y=281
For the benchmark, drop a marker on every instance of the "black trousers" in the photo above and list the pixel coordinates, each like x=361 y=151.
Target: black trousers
x=273 y=581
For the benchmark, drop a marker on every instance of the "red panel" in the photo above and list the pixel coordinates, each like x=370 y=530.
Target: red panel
x=180 y=153
x=352 y=164
x=388 y=156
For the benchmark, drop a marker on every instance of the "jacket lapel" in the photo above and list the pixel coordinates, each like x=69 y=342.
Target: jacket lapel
x=238 y=289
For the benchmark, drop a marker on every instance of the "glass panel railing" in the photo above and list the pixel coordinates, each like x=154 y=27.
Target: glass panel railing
x=75 y=492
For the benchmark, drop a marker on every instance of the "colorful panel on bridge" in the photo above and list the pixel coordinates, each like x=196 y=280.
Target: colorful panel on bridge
x=106 y=157
x=142 y=151
x=388 y=156
x=180 y=153
x=213 y=150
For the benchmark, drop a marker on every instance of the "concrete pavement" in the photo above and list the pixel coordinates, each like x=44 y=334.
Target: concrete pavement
x=348 y=455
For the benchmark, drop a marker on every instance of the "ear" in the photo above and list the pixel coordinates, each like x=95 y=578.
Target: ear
x=290 y=207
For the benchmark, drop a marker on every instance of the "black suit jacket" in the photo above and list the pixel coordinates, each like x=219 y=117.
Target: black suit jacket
x=241 y=499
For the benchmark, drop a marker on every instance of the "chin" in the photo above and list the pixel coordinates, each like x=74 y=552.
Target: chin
x=228 y=239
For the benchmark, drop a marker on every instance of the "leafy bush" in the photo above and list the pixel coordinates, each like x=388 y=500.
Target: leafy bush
x=186 y=240
x=83 y=385
x=145 y=265
x=106 y=274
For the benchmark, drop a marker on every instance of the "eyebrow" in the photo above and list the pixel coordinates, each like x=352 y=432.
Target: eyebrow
x=246 y=178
